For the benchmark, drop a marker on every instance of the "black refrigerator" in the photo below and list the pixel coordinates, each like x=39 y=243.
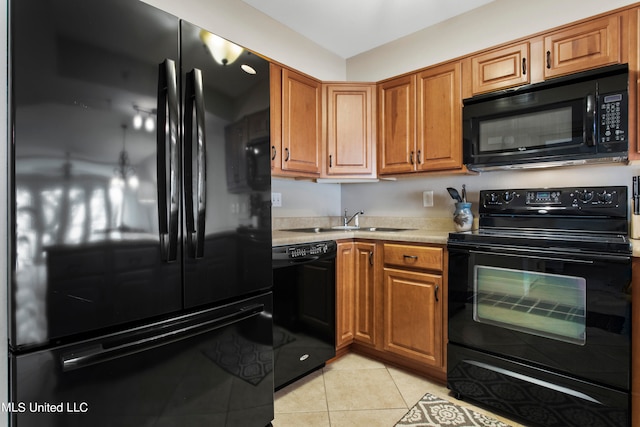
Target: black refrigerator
x=140 y=215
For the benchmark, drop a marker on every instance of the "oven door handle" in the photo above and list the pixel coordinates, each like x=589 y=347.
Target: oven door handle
x=521 y=255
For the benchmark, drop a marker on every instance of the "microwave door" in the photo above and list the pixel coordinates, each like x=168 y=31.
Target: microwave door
x=541 y=133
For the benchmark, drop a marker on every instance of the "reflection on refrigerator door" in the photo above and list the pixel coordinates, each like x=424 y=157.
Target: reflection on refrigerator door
x=210 y=368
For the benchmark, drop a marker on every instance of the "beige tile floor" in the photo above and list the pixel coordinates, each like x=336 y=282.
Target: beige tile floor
x=356 y=391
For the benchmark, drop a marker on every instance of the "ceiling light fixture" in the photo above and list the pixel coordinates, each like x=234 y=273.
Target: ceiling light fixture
x=138 y=121
x=124 y=174
x=137 y=118
x=223 y=51
x=248 y=69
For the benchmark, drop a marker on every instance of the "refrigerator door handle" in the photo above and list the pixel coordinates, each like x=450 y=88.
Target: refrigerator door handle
x=167 y=160
x=97 y=353
x=195 y=135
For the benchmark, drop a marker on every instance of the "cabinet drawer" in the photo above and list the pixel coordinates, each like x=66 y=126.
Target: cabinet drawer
x=413 y=256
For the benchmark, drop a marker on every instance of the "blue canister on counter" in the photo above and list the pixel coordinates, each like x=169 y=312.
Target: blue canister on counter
x=463 y=217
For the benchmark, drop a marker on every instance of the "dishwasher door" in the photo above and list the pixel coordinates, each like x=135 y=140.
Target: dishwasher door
x=304 y=315
x=212 y=368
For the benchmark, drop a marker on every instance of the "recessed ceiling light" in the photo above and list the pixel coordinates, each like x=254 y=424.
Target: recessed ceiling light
x=248 y=69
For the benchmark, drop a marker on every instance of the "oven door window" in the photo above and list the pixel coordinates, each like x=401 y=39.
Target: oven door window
x=553 y=127
x=543 y=304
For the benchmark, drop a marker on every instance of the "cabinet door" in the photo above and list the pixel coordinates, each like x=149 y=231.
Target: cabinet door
x=584 y=46
x=396 y=100
x=500 y=68
x=275 y=107
x=301 y=122
x=439 y=142
x=365 y=319
x=413 y=315
x=350 y=130
x=345 y=288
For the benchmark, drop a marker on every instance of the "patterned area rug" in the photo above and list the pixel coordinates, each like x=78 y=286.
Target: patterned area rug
x=431 y=411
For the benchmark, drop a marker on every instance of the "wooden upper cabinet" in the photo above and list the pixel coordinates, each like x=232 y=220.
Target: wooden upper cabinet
x=419 y=121
x=501 y=68
x=396 y=124
x=584 y=46
x=350 y=146
x=275 y=113
x=301 y=123
x=439 y=111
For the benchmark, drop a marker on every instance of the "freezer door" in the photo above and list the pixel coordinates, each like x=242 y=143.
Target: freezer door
x=213 y=368
x=227 y=181
x=87 y=230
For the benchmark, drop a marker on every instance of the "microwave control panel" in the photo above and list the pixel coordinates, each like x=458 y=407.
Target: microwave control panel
x=613 y=118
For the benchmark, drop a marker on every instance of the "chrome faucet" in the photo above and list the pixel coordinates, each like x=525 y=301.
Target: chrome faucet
x=347 y=220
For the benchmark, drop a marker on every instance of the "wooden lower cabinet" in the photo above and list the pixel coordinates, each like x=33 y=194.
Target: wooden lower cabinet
x=391 y=303
x=413 y=315
x=345 y=288
x=356 y=293
x=365 y=293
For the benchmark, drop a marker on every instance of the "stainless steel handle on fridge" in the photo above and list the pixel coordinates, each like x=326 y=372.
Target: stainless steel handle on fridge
x=195 y=201
x=94 y=355
x=167 y=160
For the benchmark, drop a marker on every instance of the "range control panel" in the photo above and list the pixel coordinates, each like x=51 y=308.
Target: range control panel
x=565 y=199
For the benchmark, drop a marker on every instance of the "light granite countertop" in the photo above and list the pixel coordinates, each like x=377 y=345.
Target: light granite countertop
x=417 y=230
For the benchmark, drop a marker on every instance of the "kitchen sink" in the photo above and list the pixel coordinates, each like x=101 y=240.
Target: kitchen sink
x=343 y=228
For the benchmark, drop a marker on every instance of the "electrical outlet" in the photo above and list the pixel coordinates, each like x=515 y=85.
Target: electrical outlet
x=427 y=199
x=276 y=200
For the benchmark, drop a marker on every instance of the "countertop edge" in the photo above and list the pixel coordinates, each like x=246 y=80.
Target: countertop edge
x=281 y=238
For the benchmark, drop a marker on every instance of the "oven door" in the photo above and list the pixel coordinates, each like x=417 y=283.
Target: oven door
x=563 y=311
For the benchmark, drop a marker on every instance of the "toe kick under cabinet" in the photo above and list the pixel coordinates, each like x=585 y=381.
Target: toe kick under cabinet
x=392 y=303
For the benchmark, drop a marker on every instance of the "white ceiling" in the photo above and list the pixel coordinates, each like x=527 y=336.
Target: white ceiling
x=350 y=27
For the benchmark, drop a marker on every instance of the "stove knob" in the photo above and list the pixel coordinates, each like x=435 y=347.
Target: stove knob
x=507 y=196
x=605 y=197
x=585 y=196
x=492 y=198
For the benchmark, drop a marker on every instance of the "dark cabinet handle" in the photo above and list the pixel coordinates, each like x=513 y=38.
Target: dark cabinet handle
x=411 y=157
x=549 y=59
x=418 y=159
x=330 y=160
x=167 y=160
x=436 y=292
x=286 y=159
x=195 y=135
x=413 y=257
x=273 y=152
x=371 y=258
x=524 y=66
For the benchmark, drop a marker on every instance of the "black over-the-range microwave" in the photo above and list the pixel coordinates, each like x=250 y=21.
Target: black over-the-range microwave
x=582 y=118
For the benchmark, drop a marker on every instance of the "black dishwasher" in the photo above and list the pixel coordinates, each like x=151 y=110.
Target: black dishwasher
x=304 y=315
